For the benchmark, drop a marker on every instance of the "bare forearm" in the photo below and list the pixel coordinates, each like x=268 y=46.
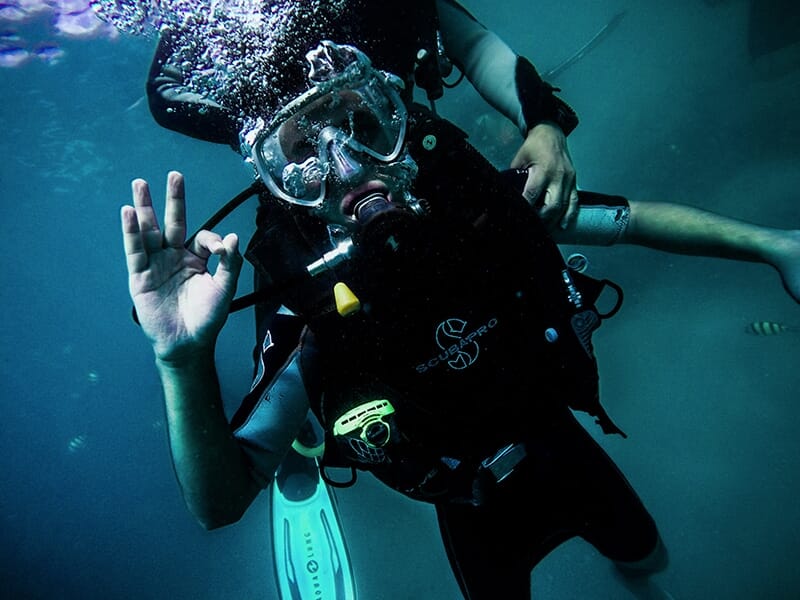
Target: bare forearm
x=688 y=230
x=215 y=480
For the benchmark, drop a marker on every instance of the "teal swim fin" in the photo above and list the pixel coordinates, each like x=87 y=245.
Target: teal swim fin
x=309 y=549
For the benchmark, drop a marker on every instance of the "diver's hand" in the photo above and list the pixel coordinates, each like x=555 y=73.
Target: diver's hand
x=551 y=185
x=180 y=304
x=783 y=253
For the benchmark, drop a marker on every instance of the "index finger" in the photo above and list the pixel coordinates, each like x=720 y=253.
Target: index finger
x=135 y=252
x=145 y=215
x=534 y=190
x=175 y=211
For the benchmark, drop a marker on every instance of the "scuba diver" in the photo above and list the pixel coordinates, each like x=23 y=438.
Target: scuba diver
x=415 y=47
x=428 y=322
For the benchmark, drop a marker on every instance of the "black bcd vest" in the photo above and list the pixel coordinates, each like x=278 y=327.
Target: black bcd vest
x=471 y=323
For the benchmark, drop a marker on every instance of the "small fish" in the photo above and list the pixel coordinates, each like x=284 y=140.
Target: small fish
x=766 y=328
x=77 y=443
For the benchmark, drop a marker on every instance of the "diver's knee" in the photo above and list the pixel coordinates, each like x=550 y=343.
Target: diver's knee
x=656 y=561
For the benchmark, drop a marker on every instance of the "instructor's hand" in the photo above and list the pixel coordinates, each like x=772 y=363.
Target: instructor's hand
x=551 y=187
x=180 y=304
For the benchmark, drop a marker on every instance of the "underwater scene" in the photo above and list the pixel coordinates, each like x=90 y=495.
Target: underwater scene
x=690 y=101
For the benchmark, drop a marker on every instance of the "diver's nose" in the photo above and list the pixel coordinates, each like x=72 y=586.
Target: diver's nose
x=344 y=164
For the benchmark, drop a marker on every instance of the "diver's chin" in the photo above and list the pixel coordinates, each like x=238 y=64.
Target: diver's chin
x=333 y=217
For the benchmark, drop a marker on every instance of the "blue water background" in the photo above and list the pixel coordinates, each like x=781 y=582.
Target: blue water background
x=671 y=109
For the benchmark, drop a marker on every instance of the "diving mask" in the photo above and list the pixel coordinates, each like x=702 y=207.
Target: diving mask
x=349 y=127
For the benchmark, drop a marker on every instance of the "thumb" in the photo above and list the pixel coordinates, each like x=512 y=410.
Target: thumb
x=230 y=264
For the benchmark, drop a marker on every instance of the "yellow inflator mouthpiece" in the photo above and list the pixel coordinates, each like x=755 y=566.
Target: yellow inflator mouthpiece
x=346 y=301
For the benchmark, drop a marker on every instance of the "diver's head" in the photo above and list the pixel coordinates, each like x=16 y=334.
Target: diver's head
x=339 y=148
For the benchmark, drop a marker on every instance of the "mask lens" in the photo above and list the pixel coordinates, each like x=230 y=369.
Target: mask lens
x=303 y=180
x=298 y=178
x=374 y=123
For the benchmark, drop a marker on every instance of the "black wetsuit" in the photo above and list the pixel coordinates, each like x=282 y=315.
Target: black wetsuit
x=517 y=391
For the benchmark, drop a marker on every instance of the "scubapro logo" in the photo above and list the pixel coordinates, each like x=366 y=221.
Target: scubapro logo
x=459 y=346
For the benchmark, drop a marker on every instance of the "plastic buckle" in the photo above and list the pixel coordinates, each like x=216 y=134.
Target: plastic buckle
x=504 y=461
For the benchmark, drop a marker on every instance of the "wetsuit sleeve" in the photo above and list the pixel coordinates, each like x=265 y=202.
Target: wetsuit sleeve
x=601 y=220
x=510 y=83
x=176 y=108
x=271 y=414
